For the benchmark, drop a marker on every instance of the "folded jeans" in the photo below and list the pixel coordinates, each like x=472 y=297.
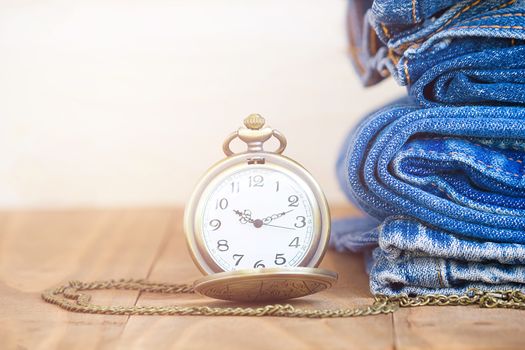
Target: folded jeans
x=440 y=174
x=446 y=52
x=445 y=189
x=413 y=258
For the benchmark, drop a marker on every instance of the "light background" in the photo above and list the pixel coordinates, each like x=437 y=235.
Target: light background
x=126 y=103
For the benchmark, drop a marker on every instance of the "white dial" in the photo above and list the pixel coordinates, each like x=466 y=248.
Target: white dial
x=258 y=217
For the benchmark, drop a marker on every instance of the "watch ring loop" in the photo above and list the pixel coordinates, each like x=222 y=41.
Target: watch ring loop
x=226 y=145
x=282 y=141
x=280 y=137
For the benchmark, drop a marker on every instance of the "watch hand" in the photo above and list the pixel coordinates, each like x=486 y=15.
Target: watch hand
x=270 y=218
x=245 y=216
x=288 y=228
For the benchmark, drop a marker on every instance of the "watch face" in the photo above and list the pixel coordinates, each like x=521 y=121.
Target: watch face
x=258 y=217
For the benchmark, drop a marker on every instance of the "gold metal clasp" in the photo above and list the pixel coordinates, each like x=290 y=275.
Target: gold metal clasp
x=254 y=134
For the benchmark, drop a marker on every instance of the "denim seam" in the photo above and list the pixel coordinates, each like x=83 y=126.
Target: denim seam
x=392 y=57
x=495 y=16
x=417 y=43
x=489 y=26
x=497 y=169
x=468 y=8
x=440 y=277
x=385 y=30
x=503 y=5
x=405 y=67
x=463 y=10
x=414 y=11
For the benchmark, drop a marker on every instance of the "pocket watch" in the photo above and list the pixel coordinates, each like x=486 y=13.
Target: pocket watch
x=258 y=224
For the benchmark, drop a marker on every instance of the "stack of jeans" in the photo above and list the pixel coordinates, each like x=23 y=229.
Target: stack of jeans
x=440 y=173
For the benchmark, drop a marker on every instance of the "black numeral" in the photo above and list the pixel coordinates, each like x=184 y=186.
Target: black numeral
x=293 y=201
x=276 y=186
x=301 y=222
x=256 y=181
x=215 y=224
x=259 y=264
x=222 y=245
x=235 y=187
x=279 y=259
x=294 y=243
x=237 y=258
x=221 y=203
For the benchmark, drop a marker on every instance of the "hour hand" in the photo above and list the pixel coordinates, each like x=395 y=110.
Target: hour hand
x=245 y=216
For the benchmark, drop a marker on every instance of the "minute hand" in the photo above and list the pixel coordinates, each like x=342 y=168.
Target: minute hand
x=270 y=218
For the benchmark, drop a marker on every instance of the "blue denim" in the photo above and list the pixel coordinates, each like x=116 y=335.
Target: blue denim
x=437 y=165
x=440 y=173
x=414 y=258
x=445 y=191
x=451 y=53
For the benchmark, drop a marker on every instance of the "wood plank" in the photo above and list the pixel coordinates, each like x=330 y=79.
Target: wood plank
x=450 y=328
x=39 y=250
x=43 y=249
x=196 y=332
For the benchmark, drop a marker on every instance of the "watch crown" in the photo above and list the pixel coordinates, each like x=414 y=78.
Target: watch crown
x=254 y=122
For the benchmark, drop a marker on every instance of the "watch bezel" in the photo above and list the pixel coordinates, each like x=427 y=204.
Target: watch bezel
x=194 y=214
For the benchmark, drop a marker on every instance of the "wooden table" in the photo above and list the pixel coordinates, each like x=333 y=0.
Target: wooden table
x=42 y=249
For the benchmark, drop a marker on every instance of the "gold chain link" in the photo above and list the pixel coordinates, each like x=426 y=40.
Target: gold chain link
x=69 y=297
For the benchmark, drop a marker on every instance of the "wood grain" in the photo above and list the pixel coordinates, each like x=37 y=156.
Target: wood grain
x=39 y=250
x=451 y=328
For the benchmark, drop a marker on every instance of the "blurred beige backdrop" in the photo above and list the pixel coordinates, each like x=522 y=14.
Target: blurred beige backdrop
x=115 y=102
